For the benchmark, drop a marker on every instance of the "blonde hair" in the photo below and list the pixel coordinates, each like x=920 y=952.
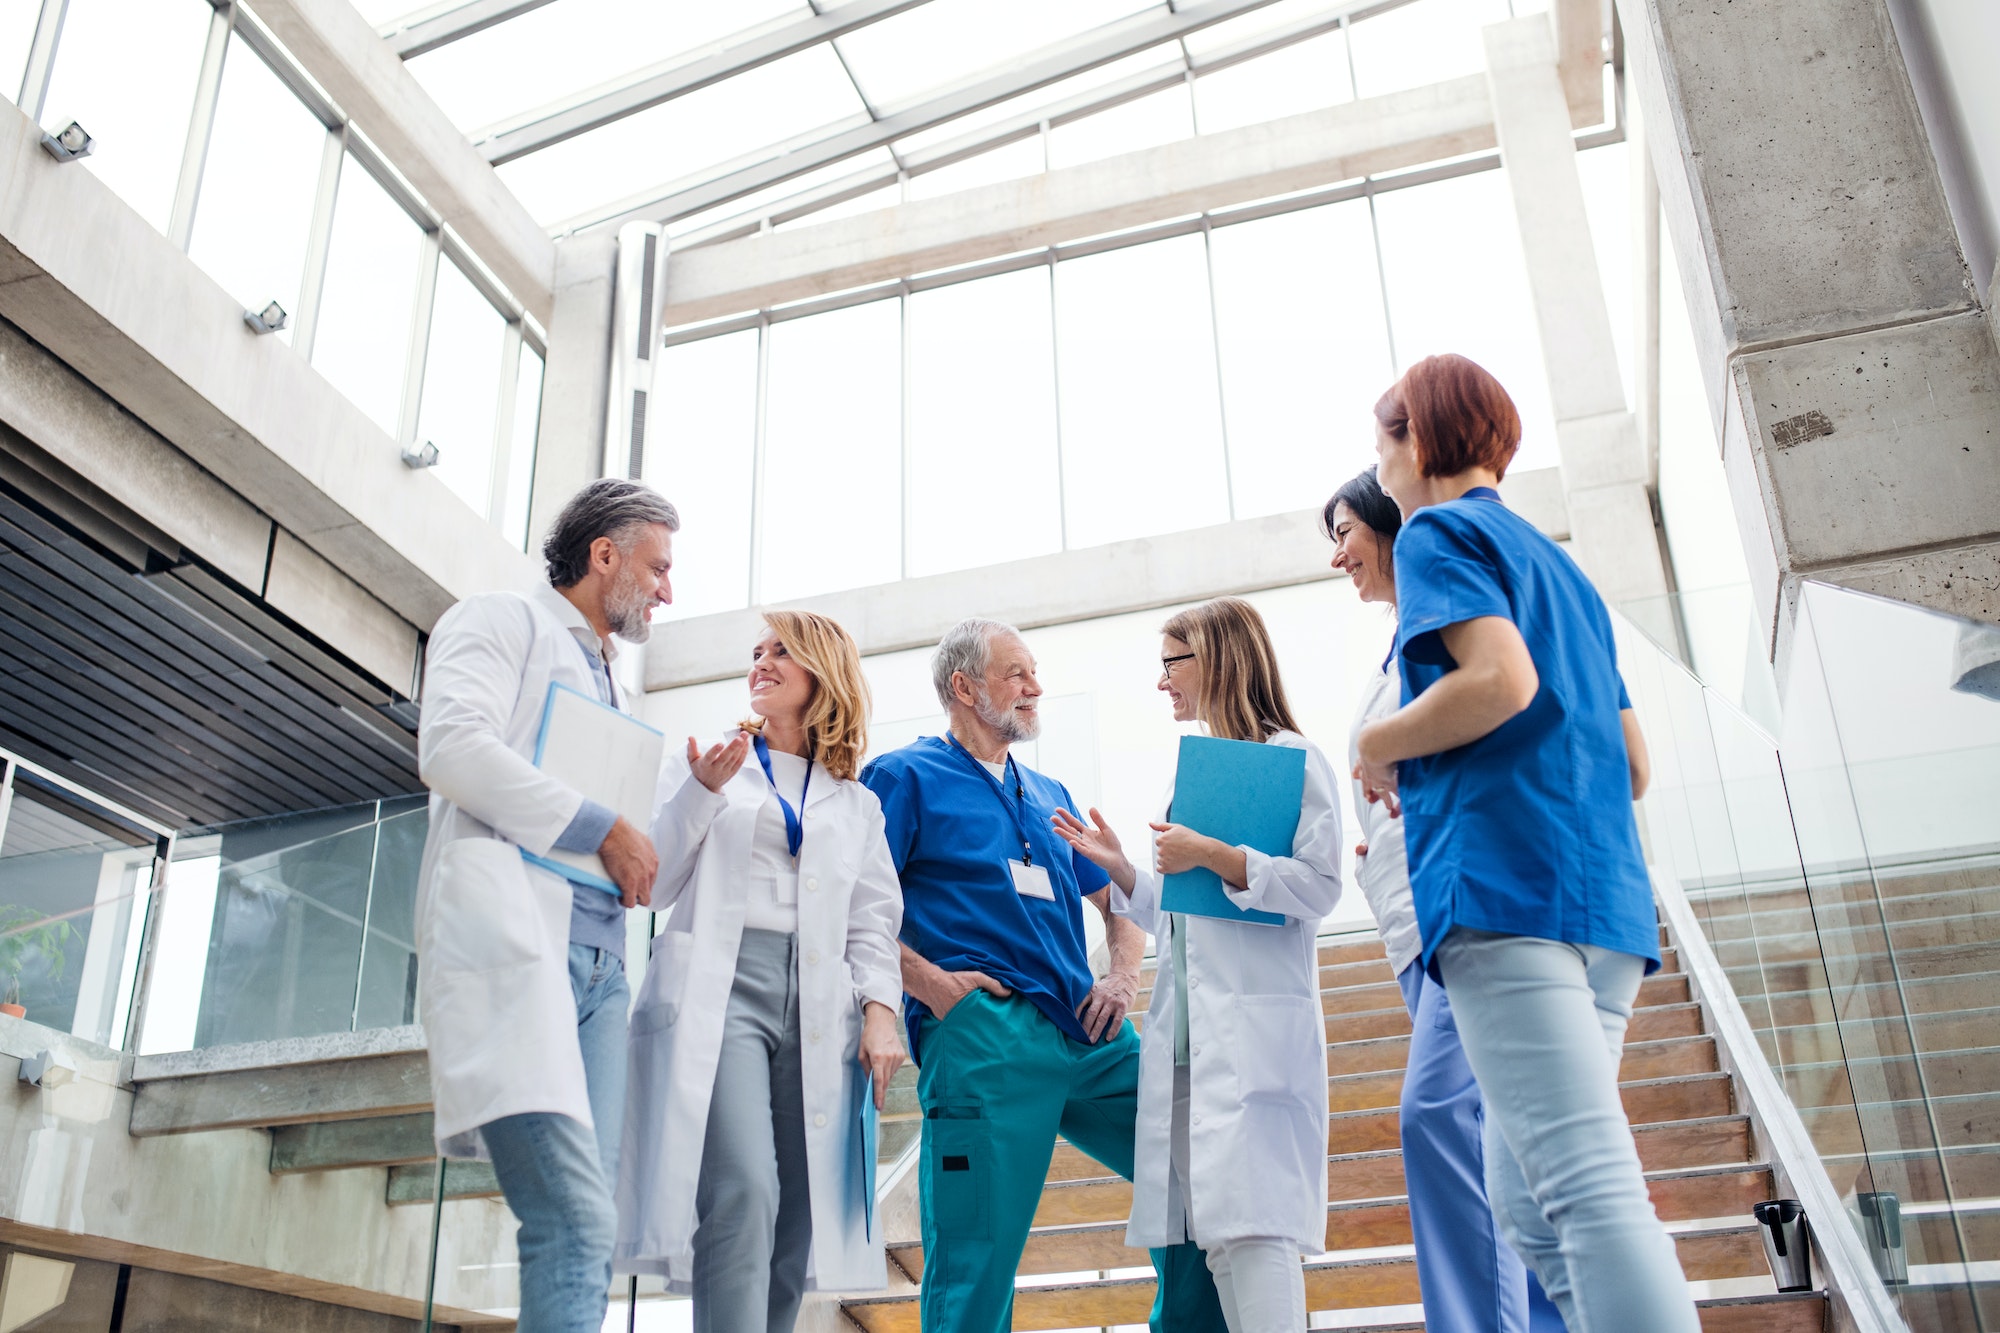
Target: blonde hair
x=836 y=717
x=1238 y=693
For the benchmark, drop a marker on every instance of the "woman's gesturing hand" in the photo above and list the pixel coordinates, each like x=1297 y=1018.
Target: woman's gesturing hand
x=881 y=1048
x=1097 y=842
x=714 y=769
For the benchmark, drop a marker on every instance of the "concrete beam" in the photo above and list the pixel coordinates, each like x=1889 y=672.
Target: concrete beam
x=576 y=383
x=1340 y=143
x=89 y=280
x=363 y=74
x=300 y=1080
x=1248 y=555
x=1604 y=470
x=337 y=1145
x=1848 y=368
x=108 y=447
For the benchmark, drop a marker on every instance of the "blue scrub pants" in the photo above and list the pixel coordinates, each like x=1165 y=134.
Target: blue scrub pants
x=998 y=1082
x=1543 y=1023
x=1471 y=1279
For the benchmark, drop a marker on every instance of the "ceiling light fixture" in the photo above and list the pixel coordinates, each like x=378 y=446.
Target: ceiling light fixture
x=268 y=320
x=68 y=143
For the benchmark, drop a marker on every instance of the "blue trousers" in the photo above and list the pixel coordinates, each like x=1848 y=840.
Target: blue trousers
x=1472 y=1280
x=556 y=1174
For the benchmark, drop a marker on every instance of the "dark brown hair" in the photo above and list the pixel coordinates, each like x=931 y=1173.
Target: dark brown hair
x=1239 y=694
x=1456 y=413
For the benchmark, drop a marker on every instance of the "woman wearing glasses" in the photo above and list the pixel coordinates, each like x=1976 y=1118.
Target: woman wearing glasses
x=1231 y=1143
x=770 y=1005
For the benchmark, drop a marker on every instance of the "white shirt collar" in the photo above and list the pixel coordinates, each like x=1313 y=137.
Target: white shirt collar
x=573 y=620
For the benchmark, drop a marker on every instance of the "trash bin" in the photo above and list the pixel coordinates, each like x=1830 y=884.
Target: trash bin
x=1787 y=1242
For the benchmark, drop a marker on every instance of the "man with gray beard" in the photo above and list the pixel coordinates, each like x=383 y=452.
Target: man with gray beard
x=522 y=968
x=1014 y=1040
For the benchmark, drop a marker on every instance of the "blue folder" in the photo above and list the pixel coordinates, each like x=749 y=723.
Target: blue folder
x=1243 y=793
x=867 y=1128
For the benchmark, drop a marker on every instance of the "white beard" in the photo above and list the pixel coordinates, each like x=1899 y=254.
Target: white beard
x=625 y=611
x=1008 y=724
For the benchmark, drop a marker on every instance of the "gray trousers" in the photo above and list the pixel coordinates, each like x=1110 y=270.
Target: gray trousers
x=753 y=1214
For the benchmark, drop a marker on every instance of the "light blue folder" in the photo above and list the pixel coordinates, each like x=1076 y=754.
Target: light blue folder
x=607 y=754
x=867 y=1127
x=1243 y=793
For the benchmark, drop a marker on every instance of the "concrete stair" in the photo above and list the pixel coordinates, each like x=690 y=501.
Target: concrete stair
x=1076 y=1271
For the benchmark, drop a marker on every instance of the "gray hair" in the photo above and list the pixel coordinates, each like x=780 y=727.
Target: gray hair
x=608 y=507
x=968 y=647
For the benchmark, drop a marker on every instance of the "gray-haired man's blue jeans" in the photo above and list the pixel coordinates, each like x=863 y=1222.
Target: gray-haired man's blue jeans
x=557 y=1175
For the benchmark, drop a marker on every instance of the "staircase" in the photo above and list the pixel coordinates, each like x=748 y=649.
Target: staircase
x=1076 y=1272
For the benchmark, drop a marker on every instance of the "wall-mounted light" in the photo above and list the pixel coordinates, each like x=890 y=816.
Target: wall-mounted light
x=68 y=143
x=268 y=320
x=420 y=455
x=48 y=1069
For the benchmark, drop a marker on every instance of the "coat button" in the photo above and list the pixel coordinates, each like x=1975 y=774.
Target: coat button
x=812 y=884
x=815 y=1035
x=809 y=814
x=812 y=955
x=1195 y=1051
x=819 y=1122
x=1196 y=1120
x=1194 y=983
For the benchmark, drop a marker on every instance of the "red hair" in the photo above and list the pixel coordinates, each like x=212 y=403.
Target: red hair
x=1456 y=413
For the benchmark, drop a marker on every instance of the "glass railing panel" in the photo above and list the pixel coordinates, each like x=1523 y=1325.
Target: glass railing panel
x=290 y=926
x=1908 y=699
x=74 y=877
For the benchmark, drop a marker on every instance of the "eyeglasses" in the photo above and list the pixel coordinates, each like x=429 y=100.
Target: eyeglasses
x=1167 y=663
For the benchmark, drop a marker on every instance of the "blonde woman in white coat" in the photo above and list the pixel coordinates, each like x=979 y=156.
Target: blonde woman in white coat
x=771 y=1003
x=1231 y=1149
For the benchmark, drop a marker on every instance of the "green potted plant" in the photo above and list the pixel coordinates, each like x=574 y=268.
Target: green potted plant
x=26 y=934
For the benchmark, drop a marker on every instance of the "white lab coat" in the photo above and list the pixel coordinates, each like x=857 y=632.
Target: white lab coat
x=1384 y=874
x=850 y=907
x=1257 y=1047
x=493 y=931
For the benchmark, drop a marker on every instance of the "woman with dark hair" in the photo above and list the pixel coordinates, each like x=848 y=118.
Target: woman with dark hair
x=1231 y=1145
x=1514 y=760
x=1470 y=1278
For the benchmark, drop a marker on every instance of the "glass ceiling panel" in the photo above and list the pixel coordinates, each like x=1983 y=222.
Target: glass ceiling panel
x=940 y=44
x=751 y=207
x=1153 y=58
x=1164 y=117
x=1423 y=43
x=569 y=46
x=753 y=113
x=1246 y=27
x=383 y=12
x=1303 y=77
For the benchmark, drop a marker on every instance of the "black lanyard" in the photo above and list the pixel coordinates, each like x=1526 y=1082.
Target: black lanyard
x=795 y=832
x=1020 y=795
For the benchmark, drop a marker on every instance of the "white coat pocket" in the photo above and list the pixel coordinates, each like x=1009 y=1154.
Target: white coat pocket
x=1277 y=1037
x=484 y=914
x=659 y=1002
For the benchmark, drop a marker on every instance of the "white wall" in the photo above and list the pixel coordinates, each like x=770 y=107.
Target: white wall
x=1950 y=47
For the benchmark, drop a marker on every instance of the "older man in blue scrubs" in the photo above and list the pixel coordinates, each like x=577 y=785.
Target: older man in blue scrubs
x=1014 y=1040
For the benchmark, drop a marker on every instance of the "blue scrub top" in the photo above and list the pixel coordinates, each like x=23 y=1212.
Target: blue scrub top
x=1528 y=830
x=952 y=834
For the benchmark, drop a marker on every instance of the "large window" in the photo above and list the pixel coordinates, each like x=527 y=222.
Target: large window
x=362 y=343
x=1179 y=380
x=831 y=499
x=254 y=218
x=462 y=386
x=702 y=456
x=127 y=71
x=1141 y=409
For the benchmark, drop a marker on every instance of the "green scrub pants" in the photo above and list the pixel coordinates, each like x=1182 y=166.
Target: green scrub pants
x=998 y=1082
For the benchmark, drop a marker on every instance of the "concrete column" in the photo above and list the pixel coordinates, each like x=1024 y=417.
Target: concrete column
x=1603 y=461
x=569 y=448
x=1847 y=361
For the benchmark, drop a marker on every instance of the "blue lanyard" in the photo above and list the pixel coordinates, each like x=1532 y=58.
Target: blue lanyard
x=1020 y=795
x=795 y=833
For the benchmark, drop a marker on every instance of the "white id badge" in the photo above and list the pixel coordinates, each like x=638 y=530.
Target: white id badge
x=1032 y=881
